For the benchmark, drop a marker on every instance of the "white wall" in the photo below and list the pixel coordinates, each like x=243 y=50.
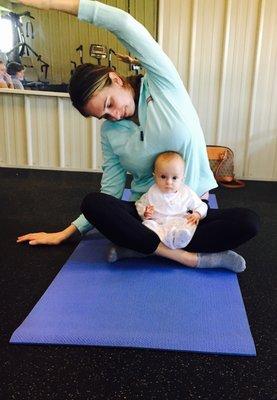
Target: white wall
x=226 y=54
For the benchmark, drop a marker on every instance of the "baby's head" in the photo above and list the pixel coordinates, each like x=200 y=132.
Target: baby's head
x=169 y=170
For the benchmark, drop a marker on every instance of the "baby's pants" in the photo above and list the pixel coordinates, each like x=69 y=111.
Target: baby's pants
x=174 y=232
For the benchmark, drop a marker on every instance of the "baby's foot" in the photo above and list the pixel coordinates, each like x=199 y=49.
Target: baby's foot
x=181 y=238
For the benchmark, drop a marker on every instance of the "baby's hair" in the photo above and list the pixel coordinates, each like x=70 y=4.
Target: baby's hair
x=167 y=156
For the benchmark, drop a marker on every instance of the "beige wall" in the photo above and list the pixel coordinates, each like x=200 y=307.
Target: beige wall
x=45 y=131
x=226 y=53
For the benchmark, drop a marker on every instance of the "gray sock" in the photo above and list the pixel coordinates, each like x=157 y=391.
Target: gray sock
x=117 y=253
x=225 y=259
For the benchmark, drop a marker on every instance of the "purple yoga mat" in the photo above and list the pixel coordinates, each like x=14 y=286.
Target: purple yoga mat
x=146 y=303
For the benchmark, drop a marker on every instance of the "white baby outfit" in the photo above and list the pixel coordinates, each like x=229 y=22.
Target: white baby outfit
x=170 y=211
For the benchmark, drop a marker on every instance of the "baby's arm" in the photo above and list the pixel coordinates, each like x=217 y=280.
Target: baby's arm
x=198 y=207
x=144 y=209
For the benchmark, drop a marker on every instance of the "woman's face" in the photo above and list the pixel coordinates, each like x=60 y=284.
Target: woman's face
x=113 y=102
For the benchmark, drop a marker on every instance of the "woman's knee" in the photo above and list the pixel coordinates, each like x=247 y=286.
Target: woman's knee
x=91 y=202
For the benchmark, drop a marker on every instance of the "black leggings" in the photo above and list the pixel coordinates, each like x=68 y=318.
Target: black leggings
x=119 y=221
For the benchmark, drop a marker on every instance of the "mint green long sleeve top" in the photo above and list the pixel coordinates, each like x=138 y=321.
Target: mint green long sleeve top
x=166 y=115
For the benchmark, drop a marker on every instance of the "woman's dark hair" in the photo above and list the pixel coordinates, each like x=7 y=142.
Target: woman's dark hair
x=86 y=80
x=89 y=79
x=14 y=67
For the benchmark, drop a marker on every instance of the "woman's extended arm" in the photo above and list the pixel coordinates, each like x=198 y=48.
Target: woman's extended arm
x=69 y=7
x=113 y=183
x=48 y=238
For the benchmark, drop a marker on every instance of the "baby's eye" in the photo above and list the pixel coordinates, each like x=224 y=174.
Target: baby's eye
x=175 y=177
x=163 y=176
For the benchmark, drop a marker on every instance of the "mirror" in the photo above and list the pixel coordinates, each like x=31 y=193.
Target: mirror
x=52 y=43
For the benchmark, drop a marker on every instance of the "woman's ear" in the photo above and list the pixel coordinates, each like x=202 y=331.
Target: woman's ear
x=115 y=79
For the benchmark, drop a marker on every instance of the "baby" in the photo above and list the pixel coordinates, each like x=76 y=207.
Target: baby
x=170 y=208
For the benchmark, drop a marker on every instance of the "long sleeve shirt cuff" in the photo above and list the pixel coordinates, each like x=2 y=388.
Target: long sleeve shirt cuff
x=82 y=224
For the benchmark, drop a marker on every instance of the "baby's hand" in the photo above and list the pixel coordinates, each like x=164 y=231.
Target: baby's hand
x=149 y=211
x=193 y=218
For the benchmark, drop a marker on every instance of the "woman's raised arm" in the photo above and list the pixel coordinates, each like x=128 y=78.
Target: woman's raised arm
x=67 y=6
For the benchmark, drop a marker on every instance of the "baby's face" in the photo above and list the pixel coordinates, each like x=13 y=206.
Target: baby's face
x=169 y=175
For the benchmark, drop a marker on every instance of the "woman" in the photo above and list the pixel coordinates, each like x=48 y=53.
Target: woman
x=5 y=79
x=144 y=118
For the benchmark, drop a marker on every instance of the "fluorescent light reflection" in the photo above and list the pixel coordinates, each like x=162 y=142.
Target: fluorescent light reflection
x=6 y=35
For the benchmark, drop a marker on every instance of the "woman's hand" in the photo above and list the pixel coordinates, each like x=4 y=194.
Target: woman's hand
x=41 y=4
x=8 y=79
x=127 y=59
x=68 y=6
x=47 y=238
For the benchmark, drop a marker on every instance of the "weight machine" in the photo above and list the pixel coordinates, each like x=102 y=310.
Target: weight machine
x=22 y=49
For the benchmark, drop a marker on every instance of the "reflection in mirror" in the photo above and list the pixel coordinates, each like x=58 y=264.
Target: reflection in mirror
x=50 y=44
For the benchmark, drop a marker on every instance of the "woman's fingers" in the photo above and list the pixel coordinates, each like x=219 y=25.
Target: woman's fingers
x=29 y=236
x=43 y=4
x=35 y=238
x=42 y=238
x=127 y=59
x=69 y=6
x=34 y=242
x=123 y=57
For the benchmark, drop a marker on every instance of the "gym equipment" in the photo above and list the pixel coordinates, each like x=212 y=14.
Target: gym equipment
x=22 y=48
x=98 y=51
x=80 y=50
